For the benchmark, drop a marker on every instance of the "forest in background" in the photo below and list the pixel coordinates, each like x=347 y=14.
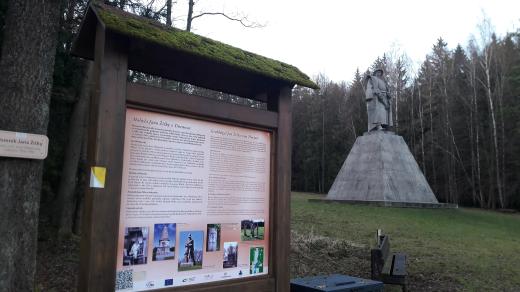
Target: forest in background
x=459 y=113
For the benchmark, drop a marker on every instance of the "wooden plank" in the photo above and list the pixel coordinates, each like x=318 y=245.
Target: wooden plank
x=149 y=96
x=379 y=236
x=106 y=138
x=399 y=267
x=385 y=247
x=272 y=197
x=376 y=263
x=280 y=100
x=387 y=279
x=387 y=267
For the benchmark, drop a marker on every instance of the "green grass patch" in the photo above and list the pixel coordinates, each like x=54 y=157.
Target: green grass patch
x=448 y=249
x=259 y=235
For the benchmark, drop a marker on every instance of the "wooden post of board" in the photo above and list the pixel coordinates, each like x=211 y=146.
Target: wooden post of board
x=280 y=101
x=106 y=138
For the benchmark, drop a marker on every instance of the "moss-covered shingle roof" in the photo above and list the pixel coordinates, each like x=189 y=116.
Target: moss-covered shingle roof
x=152 y=31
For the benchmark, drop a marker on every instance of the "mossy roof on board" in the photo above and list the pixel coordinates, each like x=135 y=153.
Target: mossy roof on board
x=155 y=32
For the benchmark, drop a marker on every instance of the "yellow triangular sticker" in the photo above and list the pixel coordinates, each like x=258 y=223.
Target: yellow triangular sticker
x=97 y=177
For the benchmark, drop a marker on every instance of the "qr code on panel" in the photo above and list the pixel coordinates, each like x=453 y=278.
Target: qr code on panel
x=124 y=280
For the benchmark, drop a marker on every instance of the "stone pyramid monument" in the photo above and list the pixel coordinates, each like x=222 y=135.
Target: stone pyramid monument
x=380 y=167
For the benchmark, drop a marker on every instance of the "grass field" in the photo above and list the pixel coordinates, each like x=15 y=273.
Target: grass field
x=448 y=250
x=258 y=236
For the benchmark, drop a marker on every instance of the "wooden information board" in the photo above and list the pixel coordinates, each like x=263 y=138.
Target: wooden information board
x=187 y=193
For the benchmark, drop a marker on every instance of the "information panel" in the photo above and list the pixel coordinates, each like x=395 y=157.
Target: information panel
x=194 y=202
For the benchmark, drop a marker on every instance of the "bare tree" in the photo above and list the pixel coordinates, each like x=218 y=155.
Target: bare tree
x=169 y=13
x=432 y=132
x=26 y=67
x=421 y=123
x=500 y=65
x=474 y=114
x=486 y=61
x=397 y=65
x=243 y=20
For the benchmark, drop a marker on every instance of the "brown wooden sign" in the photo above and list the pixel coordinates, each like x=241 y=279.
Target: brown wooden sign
x=23 y=145
x=195 y=192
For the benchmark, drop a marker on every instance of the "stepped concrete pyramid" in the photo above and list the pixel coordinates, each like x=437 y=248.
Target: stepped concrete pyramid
x=380 y=168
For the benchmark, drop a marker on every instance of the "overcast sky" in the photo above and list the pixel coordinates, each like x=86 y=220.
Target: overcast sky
x=335 y=37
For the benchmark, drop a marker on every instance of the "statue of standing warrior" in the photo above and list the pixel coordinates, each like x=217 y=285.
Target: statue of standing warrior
x=378 y=102
x=189 y=254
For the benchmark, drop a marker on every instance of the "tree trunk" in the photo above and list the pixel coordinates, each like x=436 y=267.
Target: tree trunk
x=322 y=144
x=411 y=124
x=190 y=15
x=164 y=81
x=169 y=12
x=191 y=3
x=448 y=169
x=122 y=4
x=354 y=136
x=487 y=70
x=396 y=114
x=499 y=89
x=67 y=189
x=475 y=122
x=421 y=115
x=472 y=155
x=477 y=150
x=26 y=68
x=432 y=135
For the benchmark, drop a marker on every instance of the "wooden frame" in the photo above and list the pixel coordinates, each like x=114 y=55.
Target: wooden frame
x=112 y=95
